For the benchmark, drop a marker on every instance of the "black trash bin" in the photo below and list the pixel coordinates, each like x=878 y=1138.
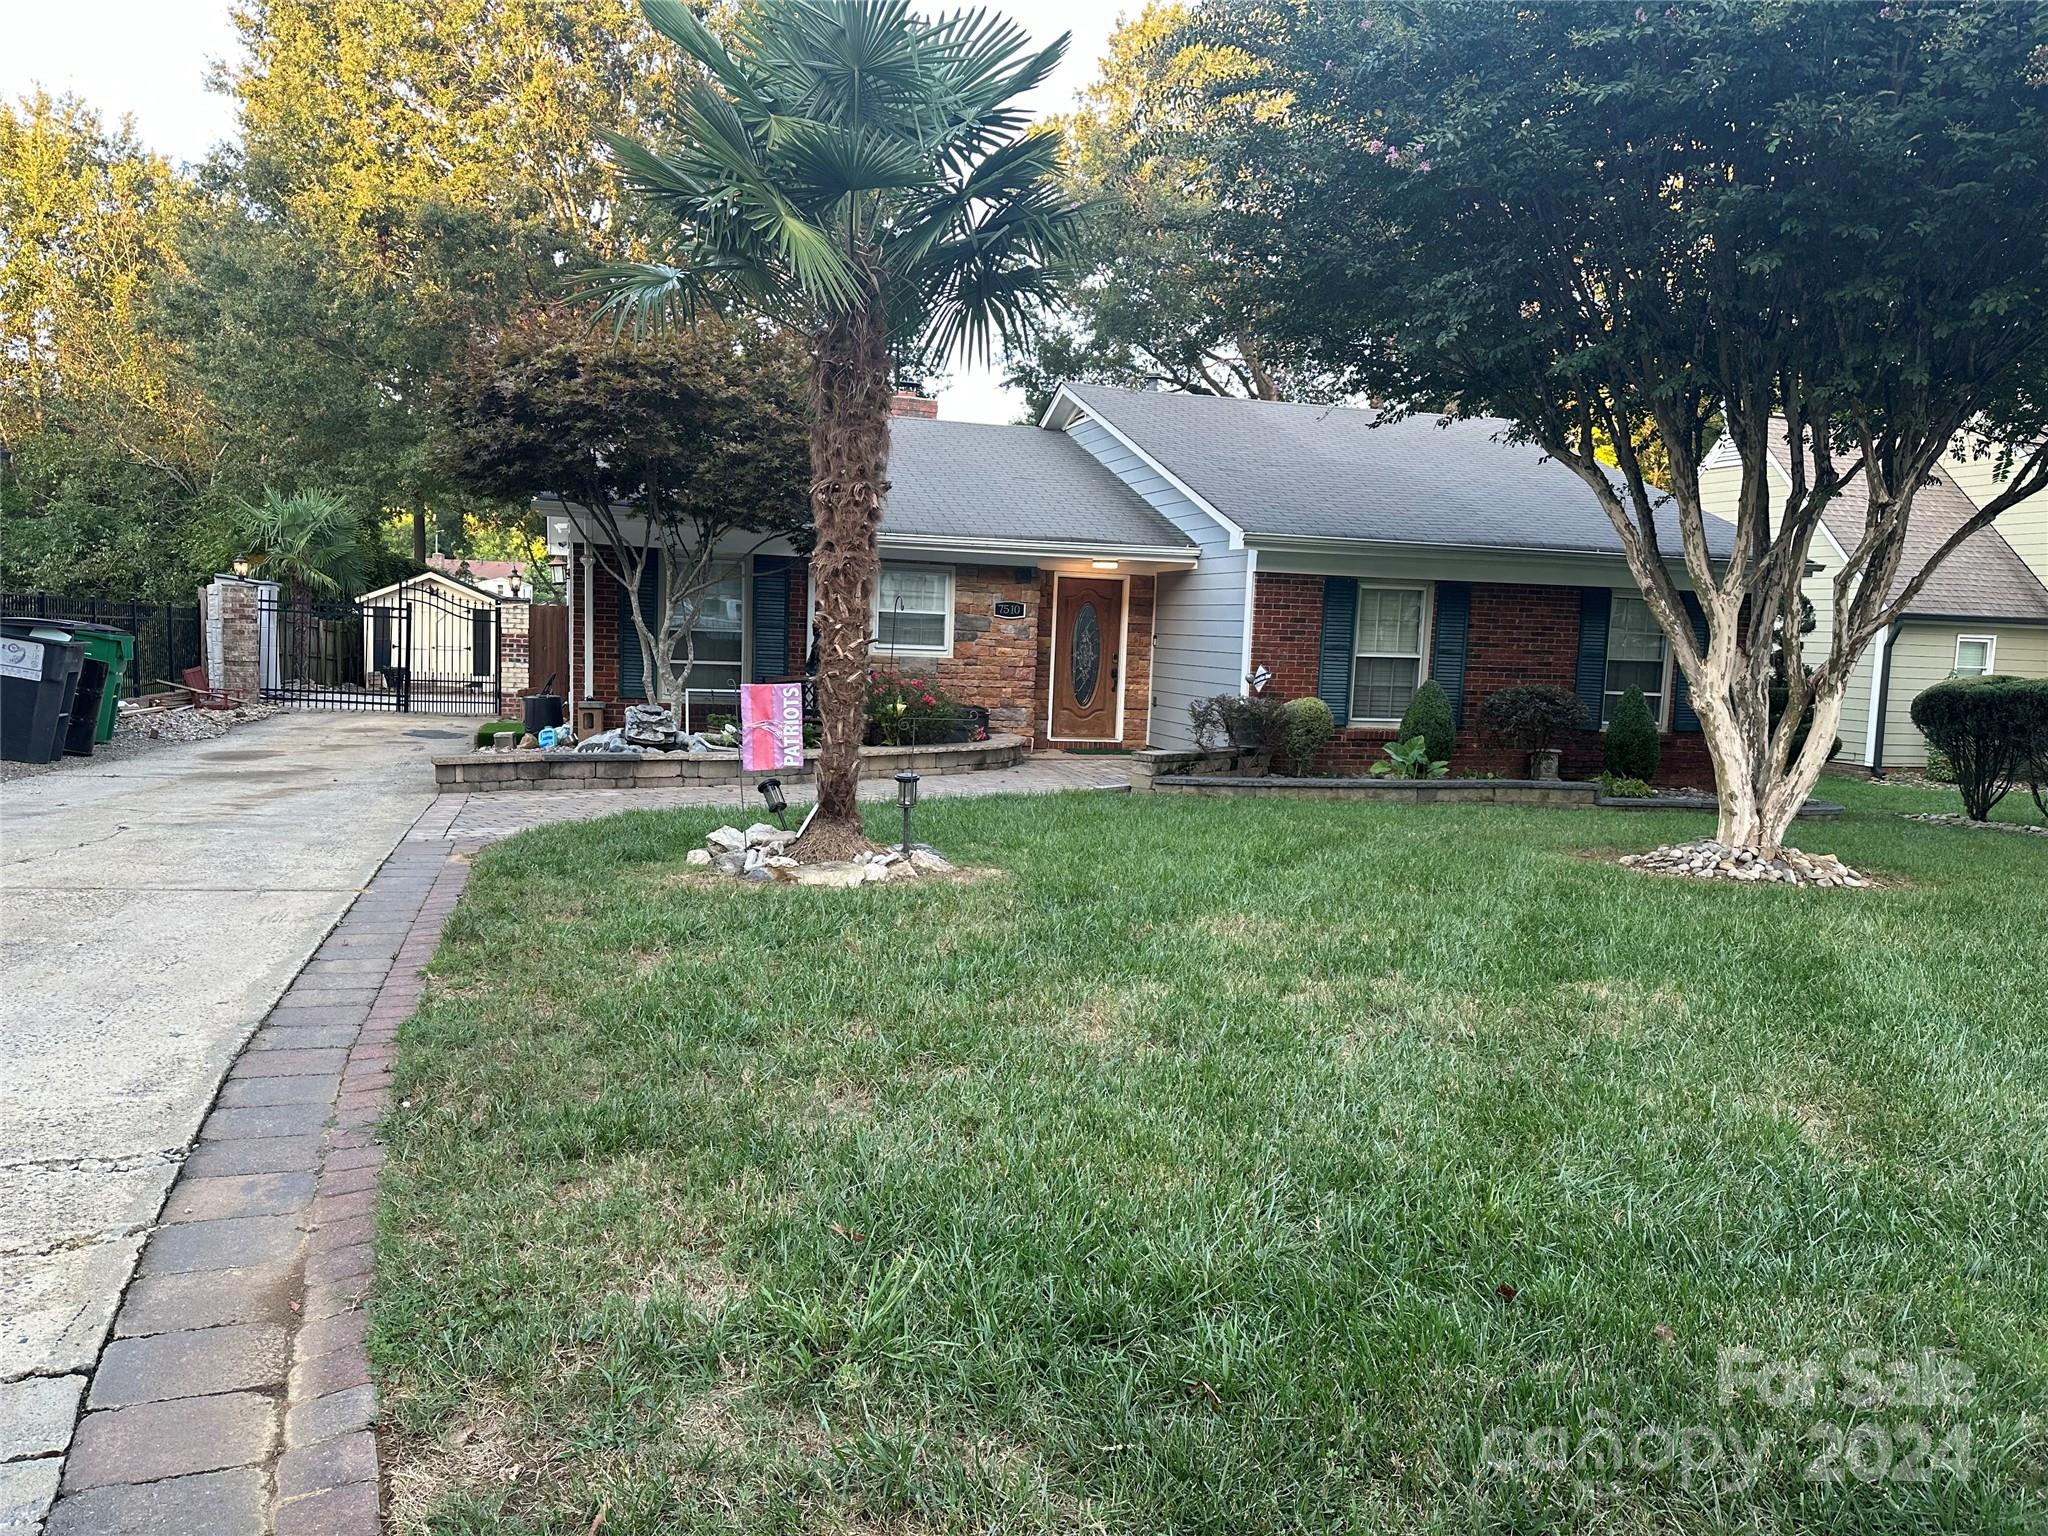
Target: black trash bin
x=39 y=668
x=82 y=723
x=542 y=711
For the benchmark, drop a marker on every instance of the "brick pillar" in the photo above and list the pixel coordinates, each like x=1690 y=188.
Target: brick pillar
x=515 y=621
x=234 y=663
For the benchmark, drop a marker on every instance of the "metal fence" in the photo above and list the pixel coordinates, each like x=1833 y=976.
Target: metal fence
x=167 y=635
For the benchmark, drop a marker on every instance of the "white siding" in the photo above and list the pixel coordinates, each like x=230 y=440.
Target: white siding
x=1198 y=616
x=1924 y=654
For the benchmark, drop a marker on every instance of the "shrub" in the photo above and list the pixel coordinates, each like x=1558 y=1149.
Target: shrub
x=1534 y=716
x=1939 y=769
x=1310 y=728
x=910 y=711
x=1254 y=722
x=1429 y=716
x=1622 y=787
x=1990 y=729
x=1409 y=759
x=1632 y=748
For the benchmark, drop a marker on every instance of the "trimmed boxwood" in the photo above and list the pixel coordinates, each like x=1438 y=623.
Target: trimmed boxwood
x=1429 y=716
x=1310 y=728
x=1991 y=730
x=1632 y=749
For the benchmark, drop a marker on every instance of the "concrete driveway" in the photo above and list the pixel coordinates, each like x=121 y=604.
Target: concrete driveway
x=150 y=913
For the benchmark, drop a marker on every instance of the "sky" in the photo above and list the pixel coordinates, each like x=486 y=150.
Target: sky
x=149 y=59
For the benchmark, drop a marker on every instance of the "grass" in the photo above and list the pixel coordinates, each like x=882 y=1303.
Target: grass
x=1223 y=1167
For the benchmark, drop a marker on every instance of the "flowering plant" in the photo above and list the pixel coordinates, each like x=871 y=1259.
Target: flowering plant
x=906 y=710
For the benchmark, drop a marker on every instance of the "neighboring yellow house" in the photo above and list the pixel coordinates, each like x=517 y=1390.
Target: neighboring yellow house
x=1985 y=609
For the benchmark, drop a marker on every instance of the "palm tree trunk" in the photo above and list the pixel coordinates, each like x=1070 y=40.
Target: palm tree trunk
x=849 y=479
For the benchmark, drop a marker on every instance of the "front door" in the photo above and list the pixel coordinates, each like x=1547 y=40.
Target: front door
x=1087 y=659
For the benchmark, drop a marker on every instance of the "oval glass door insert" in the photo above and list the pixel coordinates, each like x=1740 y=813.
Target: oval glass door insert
x=1085 y=654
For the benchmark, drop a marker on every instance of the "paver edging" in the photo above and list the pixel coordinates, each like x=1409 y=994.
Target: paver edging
x=236 y=1375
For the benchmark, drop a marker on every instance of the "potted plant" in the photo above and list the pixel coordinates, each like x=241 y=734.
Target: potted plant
x=1536 y=718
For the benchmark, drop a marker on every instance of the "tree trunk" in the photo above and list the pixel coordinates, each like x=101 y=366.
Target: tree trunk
x=849 y=478
x=1757 y=806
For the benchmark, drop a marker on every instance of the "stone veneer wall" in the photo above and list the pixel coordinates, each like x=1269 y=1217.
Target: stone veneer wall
x=1521 y=633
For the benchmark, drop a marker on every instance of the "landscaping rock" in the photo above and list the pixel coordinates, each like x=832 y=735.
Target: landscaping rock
x=1709 y=860
x=760 y=834
x=698 y=857
x=925 y=862
x=1935 y=818
x=729 y=839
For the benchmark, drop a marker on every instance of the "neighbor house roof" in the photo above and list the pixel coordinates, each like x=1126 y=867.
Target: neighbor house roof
x=1342 y=473
x=476 y=570
x=1984 y=578
x=1006 y=485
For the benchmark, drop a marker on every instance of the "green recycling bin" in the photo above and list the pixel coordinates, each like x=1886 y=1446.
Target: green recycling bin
x=113 y=648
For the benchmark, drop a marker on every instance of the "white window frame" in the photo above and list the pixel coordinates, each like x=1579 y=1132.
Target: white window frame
x=875 y=612
x=1664 y=698
x=1428 y=627
x=1990 y=644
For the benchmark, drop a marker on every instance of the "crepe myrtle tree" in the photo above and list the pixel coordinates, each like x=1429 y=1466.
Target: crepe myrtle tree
x=673 y=449
x=1611 y=222
x=864 y=174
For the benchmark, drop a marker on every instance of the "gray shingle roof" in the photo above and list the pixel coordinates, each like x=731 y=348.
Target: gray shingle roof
x=1984 y=579
x=1331 y=472
x=965 y=480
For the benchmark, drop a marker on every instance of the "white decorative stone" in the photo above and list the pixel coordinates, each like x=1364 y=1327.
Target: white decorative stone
x=926 y=862
x=729 y=839
x=697 y=857
x=781 y=861
x=760 y=833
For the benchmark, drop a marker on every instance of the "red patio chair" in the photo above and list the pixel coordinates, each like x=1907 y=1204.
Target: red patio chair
x=204 y=694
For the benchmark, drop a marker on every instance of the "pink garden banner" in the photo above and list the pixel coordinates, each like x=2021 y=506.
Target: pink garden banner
x=771 y=726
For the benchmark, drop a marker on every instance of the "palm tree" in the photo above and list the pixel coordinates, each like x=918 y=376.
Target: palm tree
x=865 y=175
x=310 y=542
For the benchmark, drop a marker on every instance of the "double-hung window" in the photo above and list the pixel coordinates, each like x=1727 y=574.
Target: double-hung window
x=715 y=617
x=1975 y=654
x=1386 y=664
x=1637 y=654
x=914 y=610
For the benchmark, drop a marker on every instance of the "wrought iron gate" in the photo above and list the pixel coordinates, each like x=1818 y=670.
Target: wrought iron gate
x=418 y=648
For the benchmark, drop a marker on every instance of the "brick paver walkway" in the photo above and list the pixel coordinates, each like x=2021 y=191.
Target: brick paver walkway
x=235 y=1396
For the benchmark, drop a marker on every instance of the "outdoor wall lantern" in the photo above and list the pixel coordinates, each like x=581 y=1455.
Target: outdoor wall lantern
x=241 y=565
x=771 y=792
x=906 y=796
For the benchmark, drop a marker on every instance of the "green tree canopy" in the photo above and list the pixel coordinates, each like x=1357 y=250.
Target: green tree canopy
x=1595 y=220
x=668 y=445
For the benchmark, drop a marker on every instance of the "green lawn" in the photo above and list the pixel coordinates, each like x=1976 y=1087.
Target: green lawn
x=1221 y=1167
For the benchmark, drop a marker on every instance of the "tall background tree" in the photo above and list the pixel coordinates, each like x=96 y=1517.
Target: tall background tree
x=865 y=175
x=1156 y=301
x=1601 y=222
x=676 y=447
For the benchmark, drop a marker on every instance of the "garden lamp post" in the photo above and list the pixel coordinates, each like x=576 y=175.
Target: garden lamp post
x=771 y=792
x=241 y=566
x=906 y=796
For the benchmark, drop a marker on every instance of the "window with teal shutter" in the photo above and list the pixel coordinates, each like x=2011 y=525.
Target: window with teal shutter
x=1589 y=677
x=771 y=618
x=1451 y=643
x=632 y=666
x=1340 y=631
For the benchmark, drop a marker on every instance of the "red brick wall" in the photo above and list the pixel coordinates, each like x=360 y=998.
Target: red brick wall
x=1520 y=634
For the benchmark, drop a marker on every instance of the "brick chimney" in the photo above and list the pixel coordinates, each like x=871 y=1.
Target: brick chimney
x=905 y=403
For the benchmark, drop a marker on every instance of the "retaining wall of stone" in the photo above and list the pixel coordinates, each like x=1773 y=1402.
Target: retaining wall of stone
x=471 y=773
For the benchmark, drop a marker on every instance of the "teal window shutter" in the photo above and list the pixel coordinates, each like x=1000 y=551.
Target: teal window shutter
x=1589 y=680
x=771 y=618
x=1451 y=642
x=632 y=666
x=1682 y=716
x=1339 y=643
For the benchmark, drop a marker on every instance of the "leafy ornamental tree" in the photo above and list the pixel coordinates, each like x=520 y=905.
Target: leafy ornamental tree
x=864 y=175
x=1594 y=219
x=1157 y=302
x=668 y=446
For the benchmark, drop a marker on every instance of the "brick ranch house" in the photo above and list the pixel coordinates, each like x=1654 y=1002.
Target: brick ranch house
x=1088 y=578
